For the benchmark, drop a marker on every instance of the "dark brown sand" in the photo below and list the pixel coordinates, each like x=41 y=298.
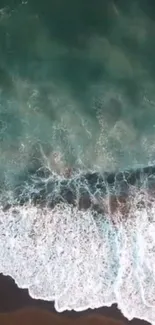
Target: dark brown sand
x=41 y=317
x=18 y=308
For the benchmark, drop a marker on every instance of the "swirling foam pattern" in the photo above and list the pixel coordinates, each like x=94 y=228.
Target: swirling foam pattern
x=80 y=258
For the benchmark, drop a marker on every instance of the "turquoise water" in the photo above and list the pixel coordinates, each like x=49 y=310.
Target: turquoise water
x=76 y=78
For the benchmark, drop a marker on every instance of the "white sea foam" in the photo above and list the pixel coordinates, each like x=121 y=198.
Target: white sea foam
x=81 y=261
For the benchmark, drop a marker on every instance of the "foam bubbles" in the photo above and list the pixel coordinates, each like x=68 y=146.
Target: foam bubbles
x=59 y=253
x=82 y=259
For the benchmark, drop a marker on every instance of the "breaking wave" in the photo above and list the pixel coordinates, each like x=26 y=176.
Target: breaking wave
x=79 y=256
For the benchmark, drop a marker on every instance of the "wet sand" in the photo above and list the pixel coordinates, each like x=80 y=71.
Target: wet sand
x=34 y=316
x=17 y=307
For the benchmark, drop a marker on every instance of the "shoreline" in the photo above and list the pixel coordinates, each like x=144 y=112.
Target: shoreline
x=16 y=300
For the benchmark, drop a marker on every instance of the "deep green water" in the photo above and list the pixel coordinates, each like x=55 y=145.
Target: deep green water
x=76 y=77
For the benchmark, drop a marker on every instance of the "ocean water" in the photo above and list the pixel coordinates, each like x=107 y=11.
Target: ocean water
x=77 y=97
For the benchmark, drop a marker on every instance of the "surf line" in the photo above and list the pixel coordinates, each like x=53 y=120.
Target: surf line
x=107 y=193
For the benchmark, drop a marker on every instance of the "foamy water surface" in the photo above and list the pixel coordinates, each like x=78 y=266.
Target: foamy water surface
x=82 y=259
